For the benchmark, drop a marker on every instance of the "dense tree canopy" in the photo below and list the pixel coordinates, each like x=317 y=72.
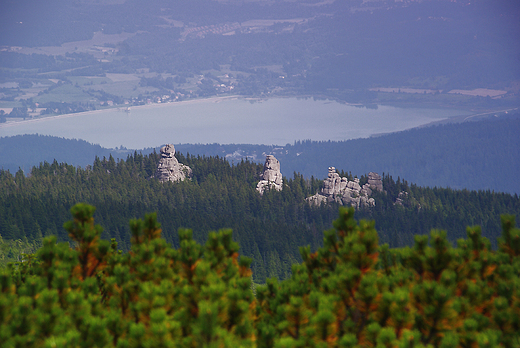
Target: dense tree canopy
x=268 y=228
x=351 y=292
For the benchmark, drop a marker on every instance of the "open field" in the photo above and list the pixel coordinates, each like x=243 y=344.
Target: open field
x=9 y=85
x=89 y=80
x=9 y=105
x=93 y=46
x=128 y=89
x=122 y=77
x=65 y=93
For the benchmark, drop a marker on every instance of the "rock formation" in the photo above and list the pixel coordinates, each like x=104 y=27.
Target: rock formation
x=401 y=198
x=271 y=176
x=375 y=181
x=169 y=169
x=342 y=191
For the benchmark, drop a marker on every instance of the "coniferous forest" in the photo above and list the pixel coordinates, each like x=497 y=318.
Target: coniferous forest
x=351 y=292
x=269 y=229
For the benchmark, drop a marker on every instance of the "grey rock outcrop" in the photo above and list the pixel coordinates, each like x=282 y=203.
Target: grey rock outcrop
x=271 y=176
x=344 y=192
x=375 y=181
x=169 y=169
x=401 y=198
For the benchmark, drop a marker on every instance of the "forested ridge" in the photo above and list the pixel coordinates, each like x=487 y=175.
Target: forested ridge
x=268 y=228
x=478 y=155
x=351 y=292
x=219 y=195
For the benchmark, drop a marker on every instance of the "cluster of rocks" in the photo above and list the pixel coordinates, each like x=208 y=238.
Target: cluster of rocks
x=335 y=188
x=271 y=177
x=344 y=192
x=401 y=198
x=169 y=169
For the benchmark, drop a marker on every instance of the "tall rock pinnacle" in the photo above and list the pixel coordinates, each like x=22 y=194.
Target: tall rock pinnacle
x=169 y=169
x=271 y=176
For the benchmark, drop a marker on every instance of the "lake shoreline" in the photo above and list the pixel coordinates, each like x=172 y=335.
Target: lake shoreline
x=219 y=99
x=229 y=119
x=120 y=107
x=216 y=99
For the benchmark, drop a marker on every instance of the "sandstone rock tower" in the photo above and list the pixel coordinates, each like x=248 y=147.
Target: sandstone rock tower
x=169 y=169
x=375 y=182
x=342 y=191
x=271 y=176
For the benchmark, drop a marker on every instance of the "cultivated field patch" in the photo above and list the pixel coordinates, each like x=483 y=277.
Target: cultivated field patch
x=66 y=93
x=122 y=77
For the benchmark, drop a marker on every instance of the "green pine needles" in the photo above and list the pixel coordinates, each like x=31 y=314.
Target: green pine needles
x=351 y=292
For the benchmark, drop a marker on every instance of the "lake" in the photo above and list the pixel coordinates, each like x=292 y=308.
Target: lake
x=276 y=121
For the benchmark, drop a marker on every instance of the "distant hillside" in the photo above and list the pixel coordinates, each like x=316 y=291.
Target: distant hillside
x=26 y=151
x=479 y=155
x=474 y=155
x=62 y=56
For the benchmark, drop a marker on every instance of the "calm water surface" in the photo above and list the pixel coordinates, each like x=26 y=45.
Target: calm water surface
x=275 y=121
